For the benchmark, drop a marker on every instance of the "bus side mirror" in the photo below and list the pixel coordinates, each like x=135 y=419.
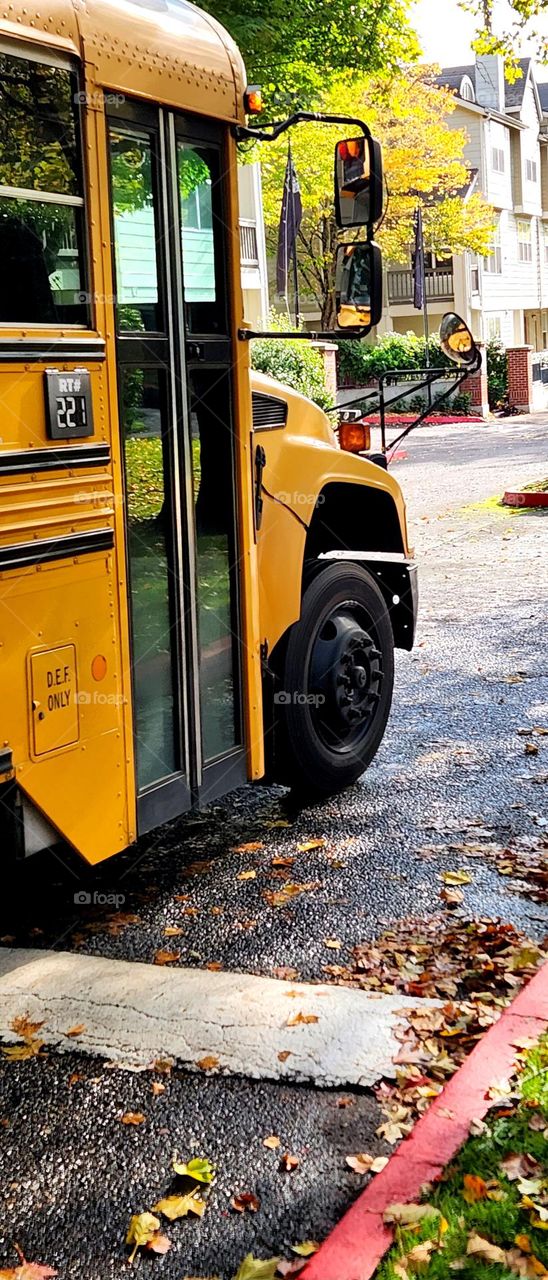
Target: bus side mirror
x=358 y=285
x=456 y=341
x=358 y=182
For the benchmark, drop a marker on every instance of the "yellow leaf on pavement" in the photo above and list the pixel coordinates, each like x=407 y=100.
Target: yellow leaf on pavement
x=174 y=1207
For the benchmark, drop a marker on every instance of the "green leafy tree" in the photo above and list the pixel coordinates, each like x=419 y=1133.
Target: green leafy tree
x=423 y=160
x=293 y=50
x=494 y=36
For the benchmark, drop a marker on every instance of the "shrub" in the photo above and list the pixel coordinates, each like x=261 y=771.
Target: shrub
x=460 y=403
x=497 y=373
x=358 y=362
x=296 y=364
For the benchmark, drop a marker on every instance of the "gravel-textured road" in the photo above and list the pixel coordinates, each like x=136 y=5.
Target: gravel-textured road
x=452 y=756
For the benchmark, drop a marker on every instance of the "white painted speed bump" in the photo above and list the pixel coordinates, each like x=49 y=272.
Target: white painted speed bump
x=136 y=1013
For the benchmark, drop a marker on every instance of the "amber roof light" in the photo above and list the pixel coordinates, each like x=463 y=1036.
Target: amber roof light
x=253 y=100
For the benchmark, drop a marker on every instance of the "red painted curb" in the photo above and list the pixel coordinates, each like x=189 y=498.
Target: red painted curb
x=357 y=1244
x=512 y=499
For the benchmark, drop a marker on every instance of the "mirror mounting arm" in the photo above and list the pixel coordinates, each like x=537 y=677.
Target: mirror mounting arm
x=328 y=335
x=459 y=379
x=269 y=132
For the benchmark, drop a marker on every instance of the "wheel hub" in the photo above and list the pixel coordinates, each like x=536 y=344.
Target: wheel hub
x=346 y=672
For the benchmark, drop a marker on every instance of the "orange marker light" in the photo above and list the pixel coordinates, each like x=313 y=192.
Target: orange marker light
x=253 y=100
x=99 y=667
x=354 y=437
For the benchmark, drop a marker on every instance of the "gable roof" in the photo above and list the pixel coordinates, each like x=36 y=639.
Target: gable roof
x=543 y=95
x=452 y=77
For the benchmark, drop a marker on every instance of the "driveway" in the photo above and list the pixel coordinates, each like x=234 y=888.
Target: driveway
x=461 y=775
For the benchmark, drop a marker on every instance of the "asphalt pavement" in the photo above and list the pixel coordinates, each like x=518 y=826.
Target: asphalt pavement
x=453 y=757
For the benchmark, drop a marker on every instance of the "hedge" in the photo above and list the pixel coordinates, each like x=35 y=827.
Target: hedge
x=296 y=364
x=358 y=362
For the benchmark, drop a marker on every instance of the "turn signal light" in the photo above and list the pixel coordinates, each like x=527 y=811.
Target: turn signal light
x=253 y=100
x=354 y=437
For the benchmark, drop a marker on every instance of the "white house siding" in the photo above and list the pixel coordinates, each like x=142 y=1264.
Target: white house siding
x=530 y=150
x=498 y=188
x=136 y=260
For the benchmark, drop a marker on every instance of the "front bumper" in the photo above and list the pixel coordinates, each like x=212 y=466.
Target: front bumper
x=397 y=578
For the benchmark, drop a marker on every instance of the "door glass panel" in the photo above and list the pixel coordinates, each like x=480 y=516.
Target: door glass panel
x=213 y=499
x=151 y=579
x=199 y=193
x=135 y=231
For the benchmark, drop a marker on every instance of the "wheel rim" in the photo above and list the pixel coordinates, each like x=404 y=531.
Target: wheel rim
x=346 y=673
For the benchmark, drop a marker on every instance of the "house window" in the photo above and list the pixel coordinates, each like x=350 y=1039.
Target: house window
x=474 y=273
x=531 y=170
x=494 y=328
x=525 y=248
x=467 y=89
x=493 y=263
x=545 y=239
x=497 y=159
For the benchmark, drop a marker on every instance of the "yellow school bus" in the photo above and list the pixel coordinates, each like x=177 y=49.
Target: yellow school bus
x=198 y=585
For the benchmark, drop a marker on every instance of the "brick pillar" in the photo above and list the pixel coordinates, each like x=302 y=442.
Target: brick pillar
x=476 y=386
x=328 y=351
x=520 y=378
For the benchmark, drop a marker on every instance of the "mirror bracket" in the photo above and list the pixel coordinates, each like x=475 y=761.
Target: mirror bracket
x=269 y=132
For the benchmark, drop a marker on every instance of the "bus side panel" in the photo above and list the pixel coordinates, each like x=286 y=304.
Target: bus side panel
x=62 y=698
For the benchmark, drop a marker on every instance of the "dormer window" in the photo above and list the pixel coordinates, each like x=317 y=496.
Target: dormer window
x=466 y=90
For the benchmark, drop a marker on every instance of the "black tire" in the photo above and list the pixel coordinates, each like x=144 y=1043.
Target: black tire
x=335 y=690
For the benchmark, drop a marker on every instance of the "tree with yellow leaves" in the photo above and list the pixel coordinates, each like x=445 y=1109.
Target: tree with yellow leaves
x=423 y=159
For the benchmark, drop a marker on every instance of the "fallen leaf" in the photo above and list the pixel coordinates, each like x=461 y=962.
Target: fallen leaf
x=159 y=1243
x=288 y=1162
x=406 y=1215
x=456 y=877
x=142 y=1229
x=247 y=875
x=215 y=966
x=478 y=1247
x=284 y=1054
x=157 y=1088
x=531 y=749
x=475 y=1188
x=334 y=944
x=253 y=847
x=310 y=844
x=245 y=1200
x=174 y=1207
x=282 y=861
x=305 y=1249
x=453 y=897
x=27 y=1270
x=360 y=1163
x=208 y=1063
x=272 y=1142
x=20 y=1052
x=24 y=1028
x=132 y=1117
x=173 y=931
x=301 y=1017
x=379 y=1164
x=200 y=1169
x=166 y=957
x=257 y=1268
x=285 y=973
